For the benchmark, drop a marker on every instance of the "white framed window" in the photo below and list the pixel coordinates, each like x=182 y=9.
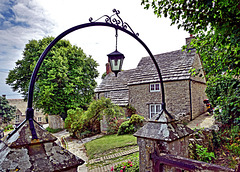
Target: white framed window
x=39 y=119
x=155 y=87
x=154 y=109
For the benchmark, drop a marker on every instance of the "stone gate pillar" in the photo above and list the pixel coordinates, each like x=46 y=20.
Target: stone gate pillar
x=161 y=135
x=19 y=152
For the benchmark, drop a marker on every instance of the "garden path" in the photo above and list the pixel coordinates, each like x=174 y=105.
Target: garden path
x=202 y=121
x=76 y=146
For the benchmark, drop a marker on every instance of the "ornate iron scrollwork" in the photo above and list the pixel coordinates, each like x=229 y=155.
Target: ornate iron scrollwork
x=115 y=19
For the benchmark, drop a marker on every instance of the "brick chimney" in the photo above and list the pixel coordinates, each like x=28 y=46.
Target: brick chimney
x=108 y=68
x=188 y=41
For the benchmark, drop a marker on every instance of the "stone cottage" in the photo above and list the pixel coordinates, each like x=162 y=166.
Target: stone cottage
x=140 y=87
x=21 y=107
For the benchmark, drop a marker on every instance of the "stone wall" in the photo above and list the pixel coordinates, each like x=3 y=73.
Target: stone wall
x=55 y=121
x=148 y=147
x=176 y=95
x=198 y=95
x=202 y=137
x=163 y=146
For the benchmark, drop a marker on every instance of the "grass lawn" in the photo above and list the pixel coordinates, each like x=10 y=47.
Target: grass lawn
x=108 y=142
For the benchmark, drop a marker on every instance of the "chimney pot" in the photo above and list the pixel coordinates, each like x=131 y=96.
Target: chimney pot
x=108 y=68
x=188 y=41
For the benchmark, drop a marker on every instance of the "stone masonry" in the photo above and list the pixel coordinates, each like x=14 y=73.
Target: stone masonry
x=19 y=152
x=140 y=97
x=55 y=121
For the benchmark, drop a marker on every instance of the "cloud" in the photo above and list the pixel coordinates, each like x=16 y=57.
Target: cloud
x=23 y=20
x=20 y=21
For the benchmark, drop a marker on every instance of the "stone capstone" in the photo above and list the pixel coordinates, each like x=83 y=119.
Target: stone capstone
x=163 y=129
x=20 y=153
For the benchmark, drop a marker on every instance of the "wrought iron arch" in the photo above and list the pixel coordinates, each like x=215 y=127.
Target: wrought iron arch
x=113 y=21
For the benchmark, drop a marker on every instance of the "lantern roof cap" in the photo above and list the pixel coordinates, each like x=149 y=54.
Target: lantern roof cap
x=116 y=53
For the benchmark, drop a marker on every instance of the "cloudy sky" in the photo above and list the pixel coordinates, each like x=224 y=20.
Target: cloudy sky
x=24 y=20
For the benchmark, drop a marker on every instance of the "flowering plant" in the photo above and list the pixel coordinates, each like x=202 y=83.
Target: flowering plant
x=126 y=167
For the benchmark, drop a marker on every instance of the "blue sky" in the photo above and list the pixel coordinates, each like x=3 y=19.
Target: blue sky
x=24 y=20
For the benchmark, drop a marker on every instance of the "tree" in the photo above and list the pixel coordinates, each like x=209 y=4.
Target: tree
x=66 y=79
x=79 y=121
x=216 y=26
x=7 y=112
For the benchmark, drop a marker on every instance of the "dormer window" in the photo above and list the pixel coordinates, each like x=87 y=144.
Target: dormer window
x=155 y=87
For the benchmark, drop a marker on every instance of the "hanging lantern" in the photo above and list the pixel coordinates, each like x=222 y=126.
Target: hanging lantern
x=116 y=61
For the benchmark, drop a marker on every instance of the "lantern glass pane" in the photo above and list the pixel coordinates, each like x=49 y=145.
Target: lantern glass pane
x=115 y=64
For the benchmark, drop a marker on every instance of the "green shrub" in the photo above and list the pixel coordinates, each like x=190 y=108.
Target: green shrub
x=114 y=124
x=224 y=92
x=234 y=148
x=203 y=154
x=74 y=121
x=9 y=127
x=131 y=126
x=126 y=128
x=78 y=121
x=137 y=120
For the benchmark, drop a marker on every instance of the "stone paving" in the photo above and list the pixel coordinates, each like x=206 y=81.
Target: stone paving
x=107 y=167
x=76 y=146
x=202 y=121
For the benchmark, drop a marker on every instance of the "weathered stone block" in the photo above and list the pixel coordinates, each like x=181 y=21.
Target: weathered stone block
x=55 y=121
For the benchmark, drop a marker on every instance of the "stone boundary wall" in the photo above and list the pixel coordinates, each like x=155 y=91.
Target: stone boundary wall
x=203 y=137
x=55 y=122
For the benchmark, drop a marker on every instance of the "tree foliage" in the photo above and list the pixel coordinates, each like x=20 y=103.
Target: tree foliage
x=224 y=92
x=66 y=79
x=7 y=112
x=216 y=25
x=79 y=121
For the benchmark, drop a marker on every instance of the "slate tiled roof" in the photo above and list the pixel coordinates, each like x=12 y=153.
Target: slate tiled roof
x=119 y=97
x=110 y=82
x=117 y=87
x=174 y=65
